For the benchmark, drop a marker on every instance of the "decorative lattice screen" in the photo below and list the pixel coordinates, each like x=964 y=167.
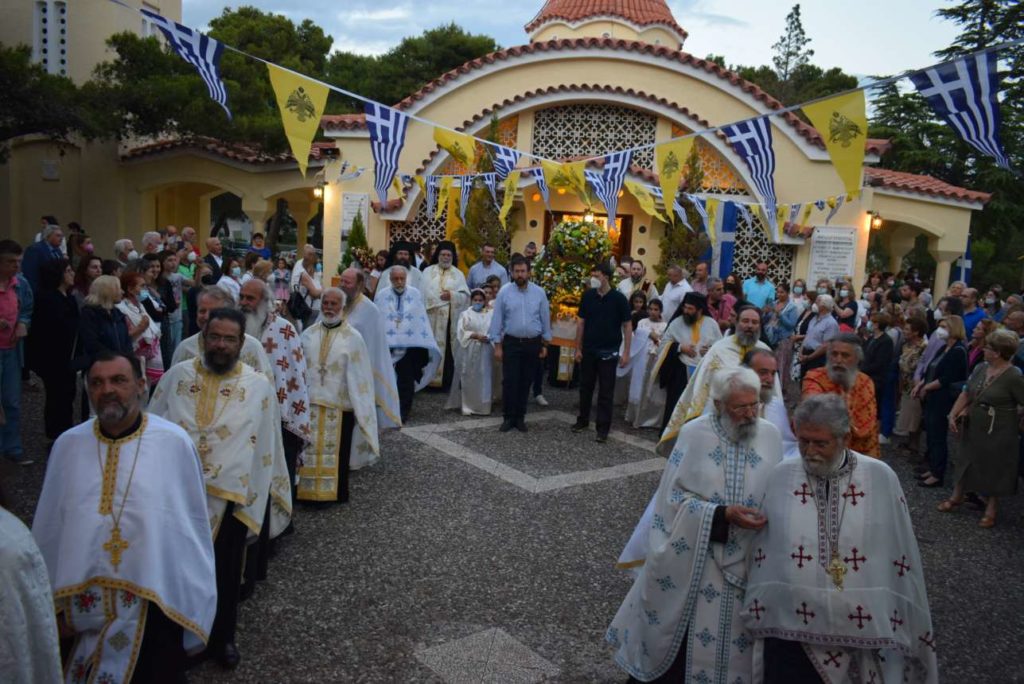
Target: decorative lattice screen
x=421 y=228
x=752 y=247
x=590 y=129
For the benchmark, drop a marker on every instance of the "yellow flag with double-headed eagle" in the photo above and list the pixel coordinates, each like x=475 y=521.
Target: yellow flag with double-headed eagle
x=843 y=124
x=301 y=101
x=645 y=199
x=443 y=190
x=462 y=147
x=567 y=176
x=511 y=185
x=670 y=159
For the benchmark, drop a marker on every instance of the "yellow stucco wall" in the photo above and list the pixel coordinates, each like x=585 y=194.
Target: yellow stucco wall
x=607 y=29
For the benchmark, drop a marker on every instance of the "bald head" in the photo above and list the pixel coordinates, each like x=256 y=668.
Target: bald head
x=1015 y=322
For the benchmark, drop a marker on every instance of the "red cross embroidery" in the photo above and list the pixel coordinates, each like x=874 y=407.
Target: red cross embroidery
x=297 y=353
x=903 y=565
x=804 y=613
x=287 y=332
x=928 y=640
x=855 y=560
x=861 y=617
x=800 y=557
x=852 y=494
x=757 y=609
x=293 y=385
x=804 y=493
x=833 y=658
x=283 y=363
x=281 y=396
x=299 y=407
x=895 y=620
x=270 y=346
x=759 y=557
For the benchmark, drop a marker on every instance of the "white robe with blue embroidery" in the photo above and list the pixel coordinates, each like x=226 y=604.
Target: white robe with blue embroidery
x=407 y=326
x=688 y=584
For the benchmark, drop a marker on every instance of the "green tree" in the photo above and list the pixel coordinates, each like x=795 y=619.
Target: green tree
x=679 y=245
x=482 y=225
x=791 y=51
x=356 y=241
x=36 y=102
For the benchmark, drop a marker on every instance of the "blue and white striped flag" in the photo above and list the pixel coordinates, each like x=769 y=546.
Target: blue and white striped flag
x=465 y=191
x=491 y=181
x=197 y=49
x=700 y=203
x=963 y=93
x=752 y=140
x=744 y=212
x=387 y=128
x=616 y=166
x=676 y=206
x=595 y=180
x=505 y=159
x=542 y=185
x=835 y=210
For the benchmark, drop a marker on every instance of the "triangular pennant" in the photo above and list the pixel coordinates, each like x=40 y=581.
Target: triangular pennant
x=387 y=128
x=835 y=203
x=542 y=185
x=465 y=190
x=462 y=147
x=711 y=222
x=443 y=191
x=670 y=159
x=645 y=199
x=301 y=101
x=842 y=123
x=491 y=181
x=511 y=185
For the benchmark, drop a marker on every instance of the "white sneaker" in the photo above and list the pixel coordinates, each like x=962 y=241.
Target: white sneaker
x=541 y=401
x=882 y=439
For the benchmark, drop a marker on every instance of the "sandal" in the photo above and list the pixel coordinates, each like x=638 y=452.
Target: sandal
x=987 y=521
x=948 y=505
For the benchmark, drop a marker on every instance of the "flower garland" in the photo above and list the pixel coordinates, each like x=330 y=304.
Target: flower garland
x=563 y=268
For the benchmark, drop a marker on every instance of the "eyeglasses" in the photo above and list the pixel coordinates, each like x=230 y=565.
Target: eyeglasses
x=744 y=408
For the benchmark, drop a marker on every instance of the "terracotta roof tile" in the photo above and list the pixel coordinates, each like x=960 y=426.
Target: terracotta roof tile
x=243 y=152
x=343 y=122
x=639 y=12
x=925 y=185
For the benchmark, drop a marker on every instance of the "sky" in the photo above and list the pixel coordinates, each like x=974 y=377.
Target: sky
x=863 y=38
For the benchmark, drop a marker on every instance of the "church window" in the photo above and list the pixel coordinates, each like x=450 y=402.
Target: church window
x=590 y=129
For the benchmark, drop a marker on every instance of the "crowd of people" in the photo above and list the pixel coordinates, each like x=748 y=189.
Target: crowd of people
x=238 y=384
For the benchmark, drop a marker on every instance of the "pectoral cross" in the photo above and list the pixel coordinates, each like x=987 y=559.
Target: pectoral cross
x=203 y=448
x=323 y=373
x=115 y=546
x=837 y=570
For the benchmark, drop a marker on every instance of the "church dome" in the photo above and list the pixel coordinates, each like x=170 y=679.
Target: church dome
x=645 y=20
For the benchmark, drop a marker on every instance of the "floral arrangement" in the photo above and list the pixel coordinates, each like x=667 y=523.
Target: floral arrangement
x=563 y=268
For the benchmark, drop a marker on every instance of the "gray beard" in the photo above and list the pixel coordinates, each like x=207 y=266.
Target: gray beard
x=766 y=395
x=741 y=434
x=746 y=340
x=256 y=322
x=330 y=321
x=845 y=377
x=822 y=469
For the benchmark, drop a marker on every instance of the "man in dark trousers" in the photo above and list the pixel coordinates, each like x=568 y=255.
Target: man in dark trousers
x=604 y=323
x=520 y=331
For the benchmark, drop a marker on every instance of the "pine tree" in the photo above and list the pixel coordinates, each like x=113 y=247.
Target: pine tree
x=482 y=225
x=356 y=241
x=791 y=53
x=678 y=245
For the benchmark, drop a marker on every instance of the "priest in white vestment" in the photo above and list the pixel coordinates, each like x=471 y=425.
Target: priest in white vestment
x=402 y=254
x=836 y=590
x=681 y=620
x=472 y=389
x=726 y=353
x=230 y=412
x=211 y=298
x=410 y=338
x=773 y=408
x=446 y=296
x=364 y=316
x=122 y=525
x=637 y=282
x=29 y=646
x=344 y=418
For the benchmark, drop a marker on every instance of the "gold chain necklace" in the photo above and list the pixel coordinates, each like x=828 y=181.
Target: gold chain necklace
x=116 y=545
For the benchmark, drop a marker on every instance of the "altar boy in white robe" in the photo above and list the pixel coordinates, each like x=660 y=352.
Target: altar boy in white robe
x=446 y=296
x=343 y=417
x=122 y=525
x=836 y=589
x=681 y=620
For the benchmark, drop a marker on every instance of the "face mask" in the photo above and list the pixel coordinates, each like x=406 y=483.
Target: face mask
x=478 y=306
x=319 y=267
x=844 y=293
x=595 y=283
x=144 y=295
x=870 y=326
x=798 y=290
x=942 y=333
x=88 y=248
x=133 y=255
x=191 y=257
x=990 y=301
x=864 y=294
x=236 y=272
x=822 y=290
x=814 y=308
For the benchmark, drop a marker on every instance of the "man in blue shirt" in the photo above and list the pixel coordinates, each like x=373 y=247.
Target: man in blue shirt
x=758 y=290
x=520 y=331
x=484 y=268
x=38 y=253
x=973 y=314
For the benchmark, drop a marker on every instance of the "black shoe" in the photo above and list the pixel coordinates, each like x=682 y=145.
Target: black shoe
x=601 y=439
x=506 y=425
x=229 y=657
x=579 y=426
x=521 y=425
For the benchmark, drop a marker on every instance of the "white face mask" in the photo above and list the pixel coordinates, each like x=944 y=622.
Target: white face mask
x=942 y=333
x=822 y=290
x=191 y=257
x=133 y=255
x=869 y=326
x=595 y=283
x=990 y=301
x=814 y=308
x=844 y=293
x=797 y=290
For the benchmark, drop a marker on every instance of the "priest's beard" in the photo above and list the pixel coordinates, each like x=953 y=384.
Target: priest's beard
x=841 y=375
x=818 y=466
x=746 y=339
x=218 y=361
x=111 y=410
x=689 y=319
x=256 y=320
x=741 y=432
x=330 y=321
x=766 y=395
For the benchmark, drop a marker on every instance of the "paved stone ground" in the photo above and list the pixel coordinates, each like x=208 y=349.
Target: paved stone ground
x=471 y=556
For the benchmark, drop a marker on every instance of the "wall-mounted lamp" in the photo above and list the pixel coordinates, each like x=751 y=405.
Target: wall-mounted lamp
x=318 y=191
x=588 y=217
x=876 y=220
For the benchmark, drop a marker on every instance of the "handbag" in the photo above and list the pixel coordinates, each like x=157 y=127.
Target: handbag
x=297 y=306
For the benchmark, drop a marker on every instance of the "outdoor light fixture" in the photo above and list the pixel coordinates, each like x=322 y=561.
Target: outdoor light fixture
x=318 y=191
x=535 y=197
x=561 y=191
x=876 y=220
x=588 y=217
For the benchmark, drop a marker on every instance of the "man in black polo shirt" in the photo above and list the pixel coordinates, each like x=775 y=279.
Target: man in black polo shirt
x=604 y=323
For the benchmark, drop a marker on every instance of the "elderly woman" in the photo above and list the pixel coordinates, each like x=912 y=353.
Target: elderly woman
x=821 y=328
x=976 y=346
x=908 y=422
x=472 y=385
x=939 y=389
x=985 y=414
x=144 y=332
x=306 y=280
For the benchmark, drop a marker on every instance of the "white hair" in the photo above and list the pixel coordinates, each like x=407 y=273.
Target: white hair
x=49 y=230
x=826 y=303
x=333 y=290
x=824 y=410
x=122 y=246
x=150 y=238
x=399 y=269
x=734 y=379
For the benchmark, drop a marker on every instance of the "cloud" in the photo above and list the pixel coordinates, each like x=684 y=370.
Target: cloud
x=386 y=14
x=688 y=12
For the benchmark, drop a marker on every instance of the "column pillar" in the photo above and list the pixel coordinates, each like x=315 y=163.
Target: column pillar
x=899 y=244
x=258 y=211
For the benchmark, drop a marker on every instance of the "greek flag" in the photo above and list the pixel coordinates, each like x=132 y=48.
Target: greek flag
x=491 y=181
x=465 y=191
x=505 y=159
x=432 y=182
x=542 y=185
x=197 y=49
x=752 y=140
x=676 y=206
x=387 y=137
x=616 y=166
x=963 y=93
